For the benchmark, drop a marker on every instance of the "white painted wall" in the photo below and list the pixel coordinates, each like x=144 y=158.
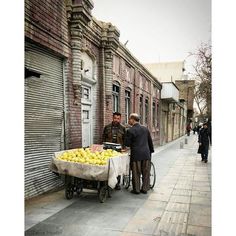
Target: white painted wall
x=166 y=71
x=169 y=90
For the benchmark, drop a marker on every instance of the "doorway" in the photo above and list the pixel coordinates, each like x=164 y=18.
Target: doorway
x=86 y=125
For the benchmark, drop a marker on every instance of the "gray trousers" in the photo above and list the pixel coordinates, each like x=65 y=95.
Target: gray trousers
x=140 y=168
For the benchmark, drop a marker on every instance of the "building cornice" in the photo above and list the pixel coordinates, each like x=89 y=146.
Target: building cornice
x=126 y=54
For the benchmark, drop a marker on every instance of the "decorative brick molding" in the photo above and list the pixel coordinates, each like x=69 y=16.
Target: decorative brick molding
x=79 y=14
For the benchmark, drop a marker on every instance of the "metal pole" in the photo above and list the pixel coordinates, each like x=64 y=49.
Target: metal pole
x=186 y=141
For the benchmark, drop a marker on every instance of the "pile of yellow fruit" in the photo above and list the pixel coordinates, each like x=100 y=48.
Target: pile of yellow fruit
x=82 y=155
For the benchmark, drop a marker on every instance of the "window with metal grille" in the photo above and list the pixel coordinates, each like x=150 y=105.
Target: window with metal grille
x=127 y=105
x=116 y=97
x=86 y=93
x=146 y=110
x=141 y=108
x=154 y=114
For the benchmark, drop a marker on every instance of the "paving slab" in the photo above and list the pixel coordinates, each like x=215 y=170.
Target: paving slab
x=164 y=190
x=174 y=217
x=201 y=183
x=200 y=209
x=160 y=197
x=180 y=199
x=170 y=229
x=182 y=192
x=177 y=207
x=149 y=214
x=202 y=188
x=155 y=205
x=198 y=193
x=199 y=219
x=183 y=186
x=133 y=234
x=144 y=226
x=193 y=230
x=201 y=200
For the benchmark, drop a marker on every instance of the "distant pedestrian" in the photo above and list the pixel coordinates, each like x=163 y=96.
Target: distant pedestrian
x=194 y=129
x=203 y=139
x=209 y=130
x=139 y=140
x=188 y=129
x=199 y=128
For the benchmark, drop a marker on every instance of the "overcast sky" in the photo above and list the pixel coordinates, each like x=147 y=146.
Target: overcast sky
x=158 y=30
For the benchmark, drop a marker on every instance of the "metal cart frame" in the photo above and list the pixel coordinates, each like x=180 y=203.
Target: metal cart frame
x=76 y=185
x=127 y=179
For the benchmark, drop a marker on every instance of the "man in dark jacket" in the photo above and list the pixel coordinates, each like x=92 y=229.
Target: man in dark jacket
x=115 y=133
x=139 y=140
x=203 y=140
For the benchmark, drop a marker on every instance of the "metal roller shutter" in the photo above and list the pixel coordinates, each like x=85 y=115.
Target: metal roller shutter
x=43 y=119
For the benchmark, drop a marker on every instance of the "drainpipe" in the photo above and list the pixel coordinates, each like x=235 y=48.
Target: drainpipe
x=64 y=133
x=103 y=102
x=134 y=94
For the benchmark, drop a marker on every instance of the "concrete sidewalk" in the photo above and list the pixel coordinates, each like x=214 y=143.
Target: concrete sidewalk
x=179 y=205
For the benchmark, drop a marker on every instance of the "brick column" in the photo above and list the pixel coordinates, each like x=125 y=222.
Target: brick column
x=79 y=15
x=76 y=40
x=110 y=42
x=108 y=86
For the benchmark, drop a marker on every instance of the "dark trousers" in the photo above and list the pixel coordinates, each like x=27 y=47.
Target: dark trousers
x=141 y=168
x=204 y=153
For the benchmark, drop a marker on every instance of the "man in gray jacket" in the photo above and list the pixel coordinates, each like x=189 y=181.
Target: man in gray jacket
x=139 y=140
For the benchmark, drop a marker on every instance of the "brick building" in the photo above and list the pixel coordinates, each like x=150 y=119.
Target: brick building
x=173 y=108
x=76 y=74
x=186 y=88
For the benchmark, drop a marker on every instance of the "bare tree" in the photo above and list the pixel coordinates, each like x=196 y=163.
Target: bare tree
x=200 y=101
x=203 y=77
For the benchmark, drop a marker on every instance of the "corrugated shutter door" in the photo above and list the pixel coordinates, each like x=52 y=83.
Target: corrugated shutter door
x=43 y=119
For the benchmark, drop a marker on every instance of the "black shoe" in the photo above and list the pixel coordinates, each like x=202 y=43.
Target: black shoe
x=117 y=187
x=202 y=160
x=142 y=191
x=205 y=161
x=134 y=192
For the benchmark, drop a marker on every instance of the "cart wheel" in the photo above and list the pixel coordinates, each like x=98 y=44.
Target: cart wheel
x=69 y=191
x=109 y=192
x=79 y=190
x=103 y=194
x=78 y=186
x=127 y=180
x=152 y=176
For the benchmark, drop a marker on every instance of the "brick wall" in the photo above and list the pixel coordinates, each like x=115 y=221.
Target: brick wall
x=186 y=91
x=140 y=84
x=46 y=24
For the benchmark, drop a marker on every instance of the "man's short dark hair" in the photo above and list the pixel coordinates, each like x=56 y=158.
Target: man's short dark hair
x=116 y=114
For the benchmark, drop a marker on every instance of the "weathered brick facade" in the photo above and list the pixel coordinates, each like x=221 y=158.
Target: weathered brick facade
x=186 y=89
x=67 y=28
x=94 y=61
x=46 y=24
